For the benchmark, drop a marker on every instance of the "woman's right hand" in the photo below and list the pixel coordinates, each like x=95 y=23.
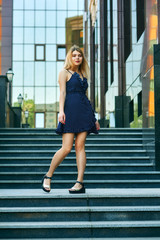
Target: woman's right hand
x=62 y=117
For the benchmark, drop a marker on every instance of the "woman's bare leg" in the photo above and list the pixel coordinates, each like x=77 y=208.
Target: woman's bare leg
x=67 y=143
x=80 y=157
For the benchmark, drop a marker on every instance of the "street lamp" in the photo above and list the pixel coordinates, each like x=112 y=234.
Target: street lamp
x=20 y=99
x=26 y=113
x=9 y=75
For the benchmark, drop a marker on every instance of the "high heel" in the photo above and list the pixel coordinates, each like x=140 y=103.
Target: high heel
x=44 y=186
x=76 y=191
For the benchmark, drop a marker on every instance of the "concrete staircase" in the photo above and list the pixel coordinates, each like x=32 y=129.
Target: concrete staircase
x=122 y=198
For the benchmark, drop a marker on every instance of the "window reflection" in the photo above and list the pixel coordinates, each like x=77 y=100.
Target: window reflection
x=39 y=98
x=61 y=36
x=18 y=18
x=29 y=35
x=51 y=5
x=51 y=35
x=39 y=73
x=80 y=5
x=40 y=35
x=40 y=4
x=18 y=35
x=51 y=97
x=51 y=74
x=17 y=4
x=50 y=18
x=29 y=94
x=61 y=18
x=40 y=18
x=28 y=74
x=72 y=13
x=51 y=119
x=73 y=4
x=15 y=92
x=61 y=4
x=18 y=52
x=29 y=52
x=18 y=77
x=29 y=4
x=29 y=18
x=50 y=52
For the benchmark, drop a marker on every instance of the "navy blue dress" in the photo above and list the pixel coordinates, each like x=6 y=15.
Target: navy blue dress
x=79 y=114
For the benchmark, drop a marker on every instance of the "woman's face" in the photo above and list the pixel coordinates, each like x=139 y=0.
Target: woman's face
x=76 y=58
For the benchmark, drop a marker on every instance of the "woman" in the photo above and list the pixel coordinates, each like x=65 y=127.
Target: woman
x=76 y=116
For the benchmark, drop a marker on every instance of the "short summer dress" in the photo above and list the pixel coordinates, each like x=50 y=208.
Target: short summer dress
x=79 y=113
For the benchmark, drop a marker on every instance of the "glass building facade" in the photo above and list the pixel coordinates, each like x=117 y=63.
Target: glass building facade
x=43 y=31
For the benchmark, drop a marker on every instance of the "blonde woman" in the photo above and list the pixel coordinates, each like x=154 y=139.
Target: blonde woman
x=76 y=117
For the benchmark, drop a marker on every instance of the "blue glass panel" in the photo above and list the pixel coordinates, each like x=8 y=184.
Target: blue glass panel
x=40 y=35
x=61 y=36
x=29 y=4
x=40 y=4
x=61 y=18
x=18 y=35
x=51 y=5
x=18 y=74
x=17 y=18
x=50 y=52
x=17 y=4
x=50 y=18
x=51 y=74
x=29 y=35
x=51 y=35
x=73 y=4
x=39 y=73
x=40 y=18
x=29 y=18
x=28 y=73
x=29 y=52
x=18 y=52
x=61 y=5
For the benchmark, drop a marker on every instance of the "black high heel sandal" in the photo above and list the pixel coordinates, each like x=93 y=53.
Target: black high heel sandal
x=76 y=191
x=45 y=185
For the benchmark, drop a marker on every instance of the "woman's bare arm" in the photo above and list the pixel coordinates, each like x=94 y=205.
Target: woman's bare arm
x=62 y=83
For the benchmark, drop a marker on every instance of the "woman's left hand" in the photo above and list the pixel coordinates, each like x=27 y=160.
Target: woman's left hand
x=97 y=125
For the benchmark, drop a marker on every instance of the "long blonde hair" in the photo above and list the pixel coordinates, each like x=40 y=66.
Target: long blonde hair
x=83 y=68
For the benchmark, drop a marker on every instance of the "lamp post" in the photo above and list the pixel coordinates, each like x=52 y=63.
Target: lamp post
x=10 y=75
x=20 y=99
x=26 y=113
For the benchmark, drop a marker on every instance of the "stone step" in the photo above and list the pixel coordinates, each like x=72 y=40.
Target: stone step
x=56 y=140
x=58 y=146
x=94 y=153
x=36 y=184
x=83 y=229
x=72 y=159
x=92 y=197
x=71 y=214
x=87 y=176
x=53 y=134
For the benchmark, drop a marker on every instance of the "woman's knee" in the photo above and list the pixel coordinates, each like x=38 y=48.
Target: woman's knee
x=79 y=146
x=67 y=149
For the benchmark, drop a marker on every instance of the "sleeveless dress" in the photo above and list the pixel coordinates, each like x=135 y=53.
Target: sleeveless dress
x=79 y=114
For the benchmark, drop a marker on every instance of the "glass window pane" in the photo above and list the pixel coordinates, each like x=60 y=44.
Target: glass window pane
x=73 y=4
x=40 y=4
x=51 y=35
x=50 y=18
x=40 y=73
x=29 y=52
x=29 y=4
x=39 y=98
x=80 y=5
x=51 y=119
x=59 y=68
x=61 y=36
x=29 y=35
x=18 y=73
x=50 y=52
x=72 y=14
x=51 y=5
x=17 y=4
x=40 y=52
x=51 y=79
x=39 y=120
x=40 y=19
x=29 y=73
x=29 y=18
x=17 y=35
x=18 y=52
x=15 y=93
x=17 y=18
x=61 y=18
x=51 y=96
x=29 y=94
x=61 y=53
x=40 y=35
x=61 y=4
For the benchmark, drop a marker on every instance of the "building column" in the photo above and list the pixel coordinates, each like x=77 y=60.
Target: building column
x=157 y=104
x=103 y=57
x=92 y=64
x=3 y=100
